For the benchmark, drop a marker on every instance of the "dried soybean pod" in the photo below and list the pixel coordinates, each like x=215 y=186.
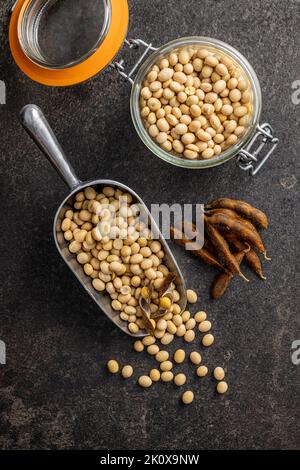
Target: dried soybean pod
x=251 y=258
x=240 y=229
x=253 y=261
x=146 y=312
x=166 y=284
x=222 y=248
x=222 y=280
x=233 y=215
x=190 y=230
x=220 y=284
x=222 y=210
x=243 y=208
x=207 y=245
x=201 y=253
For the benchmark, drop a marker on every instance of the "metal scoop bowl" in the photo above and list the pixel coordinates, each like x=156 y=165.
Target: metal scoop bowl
x=39 y=129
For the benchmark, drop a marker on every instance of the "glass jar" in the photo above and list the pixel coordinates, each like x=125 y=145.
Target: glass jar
x=244 y=144
x=54 y=38
x=62 y=42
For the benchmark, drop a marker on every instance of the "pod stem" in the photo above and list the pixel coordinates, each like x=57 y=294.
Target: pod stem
x=247 y=249
x=243 y=276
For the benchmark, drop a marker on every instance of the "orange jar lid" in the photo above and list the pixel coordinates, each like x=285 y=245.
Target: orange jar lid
x=91 y=66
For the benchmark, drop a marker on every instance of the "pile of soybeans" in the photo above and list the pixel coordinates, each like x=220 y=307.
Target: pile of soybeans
x=118 y=252
x=165 y=364
x=196 y=103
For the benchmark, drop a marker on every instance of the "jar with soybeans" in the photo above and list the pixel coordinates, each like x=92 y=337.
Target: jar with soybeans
x=196 y=103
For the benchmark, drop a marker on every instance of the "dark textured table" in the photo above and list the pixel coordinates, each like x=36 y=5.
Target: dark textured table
x=54 y=390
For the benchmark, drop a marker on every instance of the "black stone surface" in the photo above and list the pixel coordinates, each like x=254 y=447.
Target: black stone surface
x=54 y=390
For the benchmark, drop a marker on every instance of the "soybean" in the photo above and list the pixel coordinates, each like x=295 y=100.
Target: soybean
x=162 y=356
x=179 y=356
x=191 y=296
x=219 y=373
x=154 y=375
x=202 y=371
x=222 y=387
x=195 y=357
x=205 y=326
x=189 y=336
x=200 y=316
x=187 y=397
x=127 y=371
x=179 y=379
x=208 y=340
x=145 y=381
x=166 y=366
x=113 y=366
x=138 y=346
x=167 y=376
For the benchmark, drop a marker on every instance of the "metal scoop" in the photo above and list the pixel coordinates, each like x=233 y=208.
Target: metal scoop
x=39 y=129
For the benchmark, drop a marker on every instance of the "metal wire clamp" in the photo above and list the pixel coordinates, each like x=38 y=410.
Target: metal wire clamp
x=133 y=44
x=247 y=158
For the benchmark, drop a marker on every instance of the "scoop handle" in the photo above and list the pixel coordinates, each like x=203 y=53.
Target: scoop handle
x=37 y=126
